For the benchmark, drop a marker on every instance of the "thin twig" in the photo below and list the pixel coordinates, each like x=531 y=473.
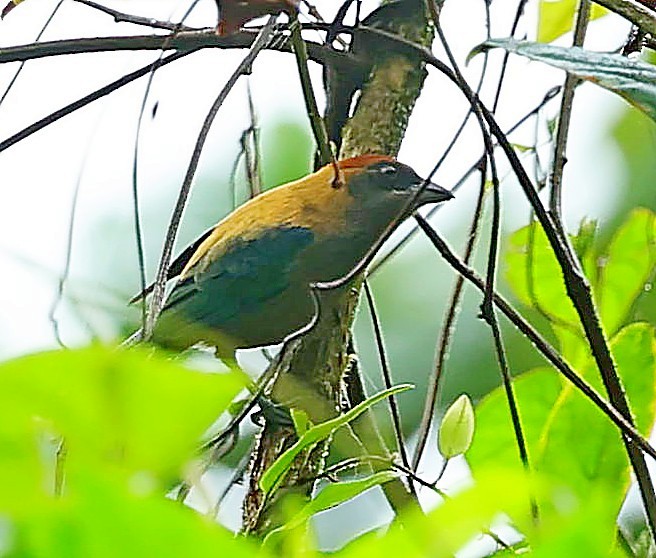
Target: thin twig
x=84 y=101
x=135 y=190
x=580 y=293
x=432 y=485
x=504 y=63
x=141 y=260
x=326 y=154
x=237 y=474
x=171 y=233
x=377 y=264
x=60 y=467
x=637 y=13
x=565 y=116
x=544 y=348
x=434 y=381
x=578 y=288
x=252 y=156
x=470 y=110
x=387 y=377
x=487 y=306
x=121 y=17
x=135 y=164
x=61 y=282
x=38 y=38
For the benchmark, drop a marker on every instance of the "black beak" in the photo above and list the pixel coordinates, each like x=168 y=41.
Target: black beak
x=432 y=193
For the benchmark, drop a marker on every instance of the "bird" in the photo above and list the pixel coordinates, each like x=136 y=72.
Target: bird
x=343 y=81
x=248 y=281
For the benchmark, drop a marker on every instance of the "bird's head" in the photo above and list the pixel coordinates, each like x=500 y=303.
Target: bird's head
x=379 y=182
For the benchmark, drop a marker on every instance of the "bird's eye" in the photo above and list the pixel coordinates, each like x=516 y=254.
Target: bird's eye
x=387 y=169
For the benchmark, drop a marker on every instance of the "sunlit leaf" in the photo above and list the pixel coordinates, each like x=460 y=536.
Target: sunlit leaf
x=320 y=432
x=105 y=521
x=556 y=18
x=494 y=442
x=536 y=277
x=119 y=411
x=330 y=496
x=442 y=532
x=633 y=80
x=567 y=436
x=629 y=264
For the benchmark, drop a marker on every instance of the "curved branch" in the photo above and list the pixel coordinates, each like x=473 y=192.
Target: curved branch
x=182 y=41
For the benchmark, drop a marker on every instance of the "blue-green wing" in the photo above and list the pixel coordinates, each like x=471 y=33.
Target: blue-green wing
x=242 y=280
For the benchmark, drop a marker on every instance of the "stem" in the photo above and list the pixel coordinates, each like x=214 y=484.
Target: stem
x=565 y=115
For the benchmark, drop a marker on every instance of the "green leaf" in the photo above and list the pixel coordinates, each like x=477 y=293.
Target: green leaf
x=626 y=269
x=567 y=436
x=557 y=16
x=577 y=528
x=301 y=421
x=535 y=275
x=633 y=80
x=584 y=240
x=494 y=442
x=107 y=521
x=120 y=412
x=337 y=493
x=315 y=434
x=331 y=495
x=523 y=148
x=443 y=532
x=457 y=428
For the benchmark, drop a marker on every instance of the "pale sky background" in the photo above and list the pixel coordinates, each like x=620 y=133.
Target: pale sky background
x=95 y=146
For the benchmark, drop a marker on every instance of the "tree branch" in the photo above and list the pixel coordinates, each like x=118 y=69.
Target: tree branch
x=312 y=376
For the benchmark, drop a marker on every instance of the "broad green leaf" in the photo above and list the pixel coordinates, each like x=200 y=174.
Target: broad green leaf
x=494 y=442
x=120 y=411
x=584 y=247
x=633 y=80
x=337 y=493
x=535 y=275
x=330 y=496
x=596 y=458
x=567 y=436
x=442 y=532
x=320 y=432
x=579 y=527
x=557 y=16
x=105 y=521
x=626 y=269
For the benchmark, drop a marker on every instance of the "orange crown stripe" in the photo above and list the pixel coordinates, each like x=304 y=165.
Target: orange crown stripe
x=363 y=161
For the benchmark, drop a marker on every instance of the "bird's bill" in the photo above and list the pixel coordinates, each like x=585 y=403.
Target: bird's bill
x=432 y=193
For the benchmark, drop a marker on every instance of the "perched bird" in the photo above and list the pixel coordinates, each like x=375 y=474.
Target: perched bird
x=247 y=282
